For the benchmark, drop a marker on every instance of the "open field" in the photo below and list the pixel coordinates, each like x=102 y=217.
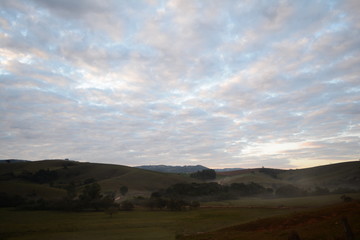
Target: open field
x=320 y=224
x=124 y=225
x=143 y=224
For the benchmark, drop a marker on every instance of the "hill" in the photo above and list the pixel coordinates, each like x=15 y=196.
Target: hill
x=173 y=169
x=49 y=178
x=344 y=175
x=227 y=169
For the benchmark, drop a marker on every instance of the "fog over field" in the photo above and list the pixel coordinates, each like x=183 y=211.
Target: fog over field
x=214 y=83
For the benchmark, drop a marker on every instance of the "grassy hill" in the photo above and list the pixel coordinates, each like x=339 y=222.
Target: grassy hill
x=110 y=177
x=333 y=176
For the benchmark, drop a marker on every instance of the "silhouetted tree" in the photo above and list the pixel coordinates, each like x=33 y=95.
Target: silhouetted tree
x=206 y=174
x=91 y=192
x=123 y=190
x=71 y=190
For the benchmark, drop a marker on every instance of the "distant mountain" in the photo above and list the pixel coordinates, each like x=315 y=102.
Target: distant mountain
x=228 y=169
x=12 y=161
x=173 y=169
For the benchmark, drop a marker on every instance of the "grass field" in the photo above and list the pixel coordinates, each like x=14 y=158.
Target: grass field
x=318 y=224
x=124 y=225
x=142 y=224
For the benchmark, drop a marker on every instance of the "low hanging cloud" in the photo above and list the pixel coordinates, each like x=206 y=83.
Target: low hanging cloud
x=220 y=83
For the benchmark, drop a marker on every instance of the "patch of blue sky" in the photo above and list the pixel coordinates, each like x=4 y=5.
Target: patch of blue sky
x=353 y=90
x=269 y=95
x=334 y=81
x=3 y=71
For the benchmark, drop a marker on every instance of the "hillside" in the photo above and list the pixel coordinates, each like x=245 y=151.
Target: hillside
x=14 y=178
x=333 y=176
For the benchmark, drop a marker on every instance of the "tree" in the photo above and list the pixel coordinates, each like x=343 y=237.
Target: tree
x=206 y=174
x=124 y=190
x=71 y=190
x=91 y=192
x=126 y=206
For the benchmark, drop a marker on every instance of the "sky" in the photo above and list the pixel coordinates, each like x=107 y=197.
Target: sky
x=221 y=83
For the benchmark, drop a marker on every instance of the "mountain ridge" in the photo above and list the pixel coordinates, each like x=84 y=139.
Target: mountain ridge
x=173 y=169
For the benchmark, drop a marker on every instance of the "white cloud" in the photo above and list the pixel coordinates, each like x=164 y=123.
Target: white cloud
x=220 y=83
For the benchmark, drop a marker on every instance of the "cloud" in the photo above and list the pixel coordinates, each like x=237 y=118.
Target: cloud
x=221 y=83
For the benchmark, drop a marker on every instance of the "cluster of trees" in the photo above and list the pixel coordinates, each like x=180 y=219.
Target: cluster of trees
x=293 y=191
x=206 y=174
x=271 y=172
x=90 y=198
x=213 y=191
x=249 y=189
x=173 y=204
x=41 y=176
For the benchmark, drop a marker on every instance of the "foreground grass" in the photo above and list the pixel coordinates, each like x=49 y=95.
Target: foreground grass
x=124 y=225
x=324 y=223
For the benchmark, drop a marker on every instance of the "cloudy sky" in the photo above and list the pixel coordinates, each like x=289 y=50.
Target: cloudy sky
x=218 y=83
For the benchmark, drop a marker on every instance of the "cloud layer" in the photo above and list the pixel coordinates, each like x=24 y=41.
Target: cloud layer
x=219 y=83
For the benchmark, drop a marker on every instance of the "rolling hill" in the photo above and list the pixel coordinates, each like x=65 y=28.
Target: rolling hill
x=13 y=178
x=334 y=176
x=49 y=178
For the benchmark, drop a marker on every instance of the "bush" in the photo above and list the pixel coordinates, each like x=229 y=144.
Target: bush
x=206 y=174
x=126 y=206
x=7 y=200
